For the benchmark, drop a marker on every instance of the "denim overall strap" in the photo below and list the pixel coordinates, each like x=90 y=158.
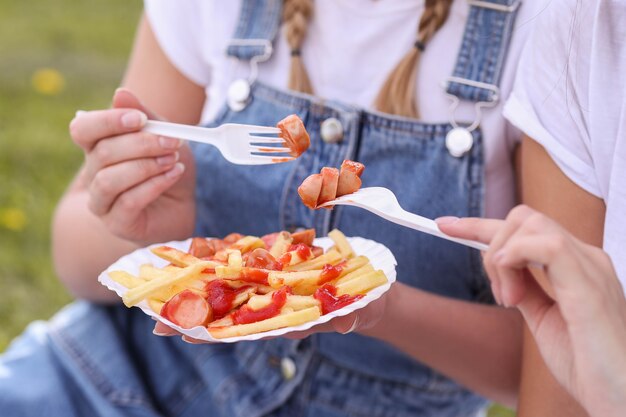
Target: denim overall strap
x=483 y=52
x=257 y=28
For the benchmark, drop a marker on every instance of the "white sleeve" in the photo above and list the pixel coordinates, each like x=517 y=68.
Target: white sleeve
x=177 y=26
x=550 y=98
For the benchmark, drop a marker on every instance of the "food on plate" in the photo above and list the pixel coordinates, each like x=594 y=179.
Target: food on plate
x=331 y=183
x=292 y=130
x=242 y=285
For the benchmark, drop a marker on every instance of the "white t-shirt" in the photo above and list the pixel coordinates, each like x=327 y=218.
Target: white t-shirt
x=350 y=48
x=570 y=97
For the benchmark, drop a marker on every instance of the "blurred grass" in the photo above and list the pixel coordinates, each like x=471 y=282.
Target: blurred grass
x=84 y=44
x=76 y=50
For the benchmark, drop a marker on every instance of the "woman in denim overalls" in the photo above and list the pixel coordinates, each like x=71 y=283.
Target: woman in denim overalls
x=67 y=368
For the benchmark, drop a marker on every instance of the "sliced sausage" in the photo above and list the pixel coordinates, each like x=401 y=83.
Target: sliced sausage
x=330 y=178
x=349 y=177
x=305 y=236
x=292 y=130
x=187 y=309
x=310 y=189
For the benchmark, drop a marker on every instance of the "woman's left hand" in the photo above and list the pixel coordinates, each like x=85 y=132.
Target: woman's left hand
x=581 y=331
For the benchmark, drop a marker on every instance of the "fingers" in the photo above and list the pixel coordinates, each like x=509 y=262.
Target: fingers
x=129 y=205
x=126 y=147
x=161 y=329
x=482 y=230
x=87 y=128
x=109 y=183
x=125 y=99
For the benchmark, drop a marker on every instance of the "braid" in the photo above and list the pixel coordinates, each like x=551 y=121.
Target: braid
x=296 y=15
x=397 y=96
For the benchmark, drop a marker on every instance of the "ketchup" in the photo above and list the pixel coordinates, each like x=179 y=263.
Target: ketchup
x=261 y=258
x=303 y=251
x=220 y=297
x=247 y=315
x=329 y=273
x=257 y=276
x=327 y=295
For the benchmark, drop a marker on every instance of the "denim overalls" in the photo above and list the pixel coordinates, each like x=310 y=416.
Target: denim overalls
x=93 y=360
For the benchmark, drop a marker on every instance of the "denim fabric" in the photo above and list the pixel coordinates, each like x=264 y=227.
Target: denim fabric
x=483 y=52
x=104 y=361
x=265 y=16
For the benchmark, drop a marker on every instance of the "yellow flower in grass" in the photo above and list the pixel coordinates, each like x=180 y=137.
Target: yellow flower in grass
x=13 y=219
x=48 y=81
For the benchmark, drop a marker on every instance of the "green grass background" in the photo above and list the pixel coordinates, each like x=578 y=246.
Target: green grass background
x=87 y=42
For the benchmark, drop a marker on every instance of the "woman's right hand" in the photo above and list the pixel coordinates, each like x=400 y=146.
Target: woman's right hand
x=140 y=185
x=581 y=330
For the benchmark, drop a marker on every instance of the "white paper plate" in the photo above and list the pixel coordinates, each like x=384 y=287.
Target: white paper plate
x=379 y=256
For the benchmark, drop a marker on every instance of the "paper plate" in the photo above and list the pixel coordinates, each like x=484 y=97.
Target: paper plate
x=380 y=257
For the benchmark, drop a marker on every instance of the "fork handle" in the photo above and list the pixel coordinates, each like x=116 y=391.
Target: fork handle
x=422 y=224
x=180 y=131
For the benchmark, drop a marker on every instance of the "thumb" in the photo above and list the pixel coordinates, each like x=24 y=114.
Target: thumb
x=535 y=302
x=126 y=99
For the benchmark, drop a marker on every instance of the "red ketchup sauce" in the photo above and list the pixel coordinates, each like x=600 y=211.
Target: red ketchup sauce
x=221 y=297
x=247 y=315
x=327 y=296
x=329 y=273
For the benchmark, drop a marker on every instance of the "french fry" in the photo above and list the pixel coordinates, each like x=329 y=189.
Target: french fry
x=248 y=243
x=295 y=302
x=294 y=279
x=180 y=258
x=228 y=272
x=282 y=320
x=354 y=264
x=126 y=279
x=148 y=272
x=135 y=295
x=155 y=305
x=282 y=243
x=362 y=284
x=243 y=296
x=330 y=257
x=234 y=259
x=341 y=243
x=357 y=272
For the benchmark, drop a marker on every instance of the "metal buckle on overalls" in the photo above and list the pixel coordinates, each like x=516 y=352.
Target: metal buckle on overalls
x=494 y=6
x=239 y=90
x=459 y=140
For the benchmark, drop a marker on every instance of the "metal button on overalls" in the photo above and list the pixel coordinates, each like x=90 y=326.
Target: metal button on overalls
x=238 y=94
x=459 y=141
x=331 y=130
x=287 y=368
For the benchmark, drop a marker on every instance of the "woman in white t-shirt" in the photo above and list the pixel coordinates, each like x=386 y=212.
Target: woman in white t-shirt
x=384 y=75
x=569 y=97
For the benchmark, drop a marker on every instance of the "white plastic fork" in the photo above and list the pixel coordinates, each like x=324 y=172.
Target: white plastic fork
x=383 y=202
x=240 y=144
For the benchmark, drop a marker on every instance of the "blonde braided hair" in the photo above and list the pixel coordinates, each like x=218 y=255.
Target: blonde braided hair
x=397 y=96
x=296 y=16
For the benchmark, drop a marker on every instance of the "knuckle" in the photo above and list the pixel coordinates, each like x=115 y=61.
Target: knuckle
x=536 y=222
x=520 y=212
x=555 y=244
x=148 y=143
x=102 y=184
x=126 y=203
x=101 y=152
x=146 y=167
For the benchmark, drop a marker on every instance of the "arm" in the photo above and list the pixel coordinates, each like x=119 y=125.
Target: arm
x=547 y=189
x=478 y=346
x=83 y=245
